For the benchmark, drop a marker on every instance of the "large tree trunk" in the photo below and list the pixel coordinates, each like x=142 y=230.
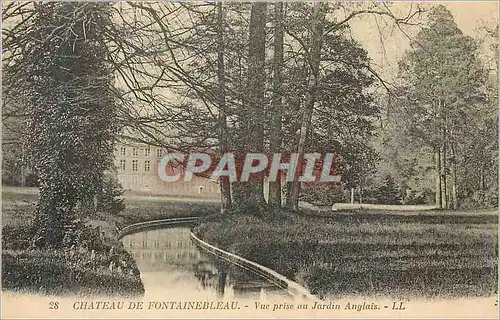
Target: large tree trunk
x=444 y=155
x=317 y=26
x=454 y=178
x=437 y=153
x=23 y=168
x=50 y=217
x=250 y=195
x=438 y=156
x=225 y=186
x=277 y=103
x=288 y=189
x=482 y=183
x=23 y=176
x=444 y=199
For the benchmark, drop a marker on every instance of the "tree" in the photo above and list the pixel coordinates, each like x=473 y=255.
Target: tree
x=249 y=195
x=110 y=197
x=388 y=192
x=324 y=22
x=342 y=110
x=57 y=62
x=276 y=131
x=316 y=40
x=225 y=184
x=443 y=82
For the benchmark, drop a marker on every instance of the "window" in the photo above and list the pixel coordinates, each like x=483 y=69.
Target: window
x=123 y=165
x=134 y=165
x=135 y=153
x=123 y=151
x=147 y=152
x=147 y=165
x=158 y=153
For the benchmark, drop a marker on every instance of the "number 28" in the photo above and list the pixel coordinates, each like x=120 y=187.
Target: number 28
x=53 y=305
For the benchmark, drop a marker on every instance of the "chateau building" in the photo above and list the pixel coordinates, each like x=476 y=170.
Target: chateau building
x=137 y=170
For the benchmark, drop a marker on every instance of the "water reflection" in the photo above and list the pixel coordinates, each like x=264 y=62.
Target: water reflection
x=171 y=263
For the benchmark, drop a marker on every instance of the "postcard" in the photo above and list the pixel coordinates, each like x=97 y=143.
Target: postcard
x=236 y=160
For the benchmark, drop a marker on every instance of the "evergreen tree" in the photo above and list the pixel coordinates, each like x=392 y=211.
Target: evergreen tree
x=442 y=87
x=388 y=192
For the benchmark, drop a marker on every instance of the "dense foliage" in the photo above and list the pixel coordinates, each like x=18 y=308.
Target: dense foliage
x=57 y=66
x=441 y=131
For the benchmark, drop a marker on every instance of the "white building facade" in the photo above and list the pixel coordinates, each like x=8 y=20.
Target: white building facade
x=137 y=170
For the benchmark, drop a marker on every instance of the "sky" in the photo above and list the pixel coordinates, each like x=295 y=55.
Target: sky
x=469 y=15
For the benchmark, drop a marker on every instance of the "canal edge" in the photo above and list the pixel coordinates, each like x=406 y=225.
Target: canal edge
x=135 y=227
x=292 y=287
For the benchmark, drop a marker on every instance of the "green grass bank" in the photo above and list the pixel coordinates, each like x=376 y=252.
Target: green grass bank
x=404 y=255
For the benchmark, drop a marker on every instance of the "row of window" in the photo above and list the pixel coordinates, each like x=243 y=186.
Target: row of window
x=167 y=244
x=165 y=256
x=146 y=152
x=135 y=165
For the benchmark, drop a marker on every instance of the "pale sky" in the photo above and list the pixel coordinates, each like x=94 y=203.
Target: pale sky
x=469 y=15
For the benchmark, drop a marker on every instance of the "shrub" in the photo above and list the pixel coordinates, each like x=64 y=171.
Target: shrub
x=322 y=194
x=51 y=273
x=388 y=192
x=481 y=199
x=78 y=234
x=418 y=198
x=110 y=199
x=17 y=237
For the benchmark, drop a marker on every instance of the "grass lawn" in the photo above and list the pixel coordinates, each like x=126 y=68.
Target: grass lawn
x=18 y=205
x=145 y=208
x=370 y=253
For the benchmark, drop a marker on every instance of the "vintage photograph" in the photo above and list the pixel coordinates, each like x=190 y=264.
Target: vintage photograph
x=231 y=159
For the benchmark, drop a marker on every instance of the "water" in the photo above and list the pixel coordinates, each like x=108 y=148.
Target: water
x=172 y=266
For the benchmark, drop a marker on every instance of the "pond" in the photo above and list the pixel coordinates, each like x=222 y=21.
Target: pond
x=173 y=267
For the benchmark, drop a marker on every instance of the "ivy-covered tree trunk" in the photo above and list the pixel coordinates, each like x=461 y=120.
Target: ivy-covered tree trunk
x=71 y=109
